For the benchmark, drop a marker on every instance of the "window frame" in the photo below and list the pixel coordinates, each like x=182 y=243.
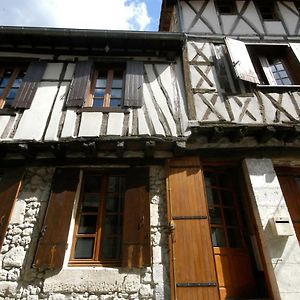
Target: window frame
x=100 y=223
x=250 y=62
x=16 y=70
x=109 y=70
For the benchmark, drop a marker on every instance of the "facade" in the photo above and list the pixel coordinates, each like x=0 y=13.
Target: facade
x=153 y=165
x=241 y=223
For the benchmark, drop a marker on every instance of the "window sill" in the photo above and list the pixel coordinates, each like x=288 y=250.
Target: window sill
x=7 y=112
x=104 y=109
x=294 y=87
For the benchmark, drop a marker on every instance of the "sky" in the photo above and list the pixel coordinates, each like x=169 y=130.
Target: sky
x=141 y=15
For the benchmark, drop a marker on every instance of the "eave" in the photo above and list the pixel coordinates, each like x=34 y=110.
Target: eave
x=59 y=41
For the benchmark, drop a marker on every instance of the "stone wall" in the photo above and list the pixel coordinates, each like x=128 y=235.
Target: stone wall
x=18 y=280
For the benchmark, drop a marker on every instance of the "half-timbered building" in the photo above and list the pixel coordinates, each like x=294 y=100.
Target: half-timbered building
x=162 y=165
x=233 y=196
x=87 y=120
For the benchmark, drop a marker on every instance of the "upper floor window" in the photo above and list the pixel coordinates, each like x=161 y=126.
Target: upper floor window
x=275 y=65
x=107 y=87
x=10 y=81
x=226 y=7
x=267 y=10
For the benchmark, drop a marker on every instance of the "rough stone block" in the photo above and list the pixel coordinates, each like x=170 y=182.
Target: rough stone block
x=8 y=288
x=14 y=258
x=18 y=212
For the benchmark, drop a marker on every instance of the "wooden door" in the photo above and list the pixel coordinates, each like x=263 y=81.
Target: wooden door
x=235 y=271
x=193 y=273
x=289 y=180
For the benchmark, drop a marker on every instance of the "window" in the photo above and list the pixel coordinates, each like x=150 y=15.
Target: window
x=98 y=229
x=10 y=81
x=267 y=10
x=275 y=65
x=107 y=87
x=227 y=7
x=112 y=225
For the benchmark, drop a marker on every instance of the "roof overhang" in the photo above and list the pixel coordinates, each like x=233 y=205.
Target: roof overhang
x=59 y=41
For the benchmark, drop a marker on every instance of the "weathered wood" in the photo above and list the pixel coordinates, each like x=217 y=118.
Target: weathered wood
x=150 y=148
x=266 y=135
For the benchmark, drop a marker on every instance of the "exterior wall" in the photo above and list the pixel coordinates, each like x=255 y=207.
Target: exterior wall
x=214 y=105
x=163 y=112
x=282 y=254
x=246 y=22
x=18 y=280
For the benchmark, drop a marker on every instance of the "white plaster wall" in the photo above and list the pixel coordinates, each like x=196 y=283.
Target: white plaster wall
x=282 y=254
x=33 y=122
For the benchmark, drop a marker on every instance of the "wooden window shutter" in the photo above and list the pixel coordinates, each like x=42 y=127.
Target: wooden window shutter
x=193 y=274
x=80 y=85
x=10 y=182
x=241 y=60
x=52 y=243
x=29 y=84
x=134 y=84
x=136 y=225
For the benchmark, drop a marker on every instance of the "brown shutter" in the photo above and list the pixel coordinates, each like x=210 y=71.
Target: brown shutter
x=10 y=182
x=193 y=274
x=54 y=234
x=80 y=85
x=29 y=84
x=136 y=226
x=134 y=84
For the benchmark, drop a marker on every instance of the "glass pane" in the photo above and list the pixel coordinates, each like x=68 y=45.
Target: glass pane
x=12 y=94
x=282 y=74
x=98 y=102
x=87 y=224
x=4 y=82
x=215 y=215
x=116 y=184
x=298 y=182
x=225 y=180
x=117 y=83
x=114 y=203
x=1 y=91
x=227 y=198
x=234 y=238
x=17 y=82
x=230 y=217
x=111 y=249
x=273 y=68
x=92 y=183
x=101 y=83
x=84 y=248
x=115 y=102
x=99 y=92
x=212 y=197
x=279 y=67
x=90 y=202
x=286 y=81
x=218 y=237
x=112 y=225
x=116 y=93
x=276 y=76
